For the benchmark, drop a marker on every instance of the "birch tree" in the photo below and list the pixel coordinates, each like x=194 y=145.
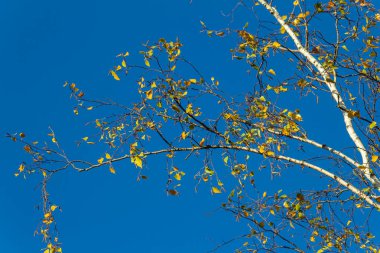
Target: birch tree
x=330 y=51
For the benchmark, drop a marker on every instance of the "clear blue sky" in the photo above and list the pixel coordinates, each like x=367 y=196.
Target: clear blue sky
x=44 y=43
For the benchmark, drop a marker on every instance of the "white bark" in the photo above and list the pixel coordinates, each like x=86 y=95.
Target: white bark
x=301 y=163
x=334 y=92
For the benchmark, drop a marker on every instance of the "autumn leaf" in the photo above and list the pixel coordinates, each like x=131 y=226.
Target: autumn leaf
x=374 y=158
x=215 y=190
x=112 y=170
x=178 y=176
x=115 y=76
x=147 y=63
x=27 y=148
x=345 y=48
x=271 y=71
x=100 y=160
x=372 y=125
x=149 y=94
x=137 y=161
x=209 y=171
x=172 y=192
x=108 y=156
x=21 y=168
x=276 y=44
x=220 y=34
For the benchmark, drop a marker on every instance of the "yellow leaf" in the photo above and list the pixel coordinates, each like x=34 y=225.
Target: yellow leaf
x=295 y=3
x=276 y=44
x=193 y=80
x=137 y=161
x=90 y=108
x=202 y=142
x=271 y=71
x=147 y=63
x=54 y=140
x=108 y=156
x=53 y=207
x=183 y=135
x=21 y=168
x=209 y=171
x=115 y=76
x=112 y=170
x=124 y=64
x=374 y=158
x=303 y=15
x=149 y=94
x=85 y=138
x=282 y=30
x=100 y=160
x=189 y=109
x=178 y=176
x=345 y=48
x=97 y=122
x=372 y=125
x=216 y=190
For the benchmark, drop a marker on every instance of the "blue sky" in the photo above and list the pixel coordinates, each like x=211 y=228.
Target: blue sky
x=46 y=43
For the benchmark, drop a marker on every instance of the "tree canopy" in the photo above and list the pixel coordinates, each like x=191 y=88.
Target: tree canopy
x=255 y=139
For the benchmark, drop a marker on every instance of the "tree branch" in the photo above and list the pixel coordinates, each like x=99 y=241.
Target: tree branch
x=301 y=163
x=334 y=92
